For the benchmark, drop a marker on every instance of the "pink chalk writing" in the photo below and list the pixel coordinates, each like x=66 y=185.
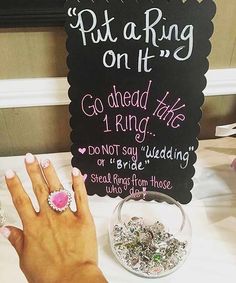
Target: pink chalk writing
x=160 y=184
x=137 y=182
x=111 y=179
x=169 y=113
x=130 y=151
x=82 y=150
x=112 y=149
x=115 y=184
x=85 y=176
x=136 y=99
x=125 y=181
x=101 y=179
x=114 y=190
x=129 y=123
x=91 y=106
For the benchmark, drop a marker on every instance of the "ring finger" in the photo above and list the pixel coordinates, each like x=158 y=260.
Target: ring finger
x=51 y=177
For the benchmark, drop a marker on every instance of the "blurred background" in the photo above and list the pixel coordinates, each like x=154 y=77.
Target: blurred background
x=41 y=53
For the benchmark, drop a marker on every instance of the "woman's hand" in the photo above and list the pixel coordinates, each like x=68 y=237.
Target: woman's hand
x=53 y=247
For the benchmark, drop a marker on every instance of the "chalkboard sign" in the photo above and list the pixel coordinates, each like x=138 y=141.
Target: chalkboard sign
x=137 y=75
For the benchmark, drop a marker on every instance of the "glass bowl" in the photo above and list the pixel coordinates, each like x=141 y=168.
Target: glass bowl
x=150 y=234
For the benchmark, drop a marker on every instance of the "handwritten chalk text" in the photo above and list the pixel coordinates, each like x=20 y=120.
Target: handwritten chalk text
x=116 y=99
x=154 y=31
x=170 y=153
x=169 y=113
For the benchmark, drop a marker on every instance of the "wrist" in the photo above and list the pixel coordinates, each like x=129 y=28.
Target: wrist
x=87 y=272
x=84 y=273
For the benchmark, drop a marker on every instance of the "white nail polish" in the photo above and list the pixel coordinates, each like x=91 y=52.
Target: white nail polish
x=76 y=172
x=29 y=158
x=5 y=232
x=45 y=163
x=10 y=174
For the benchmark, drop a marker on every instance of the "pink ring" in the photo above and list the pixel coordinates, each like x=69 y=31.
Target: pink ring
x=59 y=200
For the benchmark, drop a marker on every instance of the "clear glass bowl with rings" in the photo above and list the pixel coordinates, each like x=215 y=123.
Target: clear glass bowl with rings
x=150 y=234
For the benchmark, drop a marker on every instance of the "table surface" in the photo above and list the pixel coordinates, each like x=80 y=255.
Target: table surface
x=212 y=213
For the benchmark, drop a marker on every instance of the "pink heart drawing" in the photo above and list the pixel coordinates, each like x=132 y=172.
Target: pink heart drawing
x=82 y=150
x=85 y=177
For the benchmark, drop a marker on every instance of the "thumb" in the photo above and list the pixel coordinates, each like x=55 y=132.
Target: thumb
x=15 y=237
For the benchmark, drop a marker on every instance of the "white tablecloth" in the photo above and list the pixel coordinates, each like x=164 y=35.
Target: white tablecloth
x=212 y=213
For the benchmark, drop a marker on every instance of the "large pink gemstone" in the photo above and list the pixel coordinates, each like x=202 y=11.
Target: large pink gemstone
x=60 y=199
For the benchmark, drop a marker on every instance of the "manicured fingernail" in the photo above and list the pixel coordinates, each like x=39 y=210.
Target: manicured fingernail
x=76 y=172
x=29 y=158
x=45 y=163
x=10 y=174
x=233 y=165
x=5 y=232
